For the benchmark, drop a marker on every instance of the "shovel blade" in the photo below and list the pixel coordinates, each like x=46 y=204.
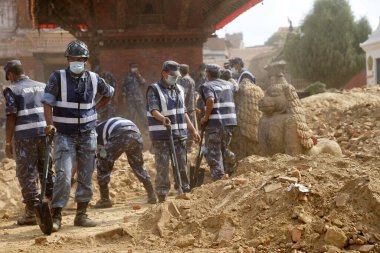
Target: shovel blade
x=43 y=217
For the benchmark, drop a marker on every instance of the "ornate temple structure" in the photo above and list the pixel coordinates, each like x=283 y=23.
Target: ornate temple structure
x=118 y=32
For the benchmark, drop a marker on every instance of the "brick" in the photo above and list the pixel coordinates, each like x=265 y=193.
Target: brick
x=296 y=234
x=362 y=248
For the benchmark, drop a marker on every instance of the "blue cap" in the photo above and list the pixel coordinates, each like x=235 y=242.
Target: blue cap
x=172 y=67
x=212 y=68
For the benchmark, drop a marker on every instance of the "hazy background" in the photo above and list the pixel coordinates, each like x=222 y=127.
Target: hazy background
x=262 y=20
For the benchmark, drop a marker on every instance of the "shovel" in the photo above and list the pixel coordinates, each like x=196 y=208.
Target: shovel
x=196 y=173
x=42 y=210
x=176 y=174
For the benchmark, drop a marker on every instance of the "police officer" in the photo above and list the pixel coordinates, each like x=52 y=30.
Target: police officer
x=237 y=65
x=71 y=92
x=132 y=84
x=226 y=75
x=166 y=108
x=109 y=110
x=116 y=136
x=25 y=122
x=220 y=119
x=188 y=85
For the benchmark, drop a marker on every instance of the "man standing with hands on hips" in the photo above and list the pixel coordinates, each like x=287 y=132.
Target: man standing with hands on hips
x=71 y=92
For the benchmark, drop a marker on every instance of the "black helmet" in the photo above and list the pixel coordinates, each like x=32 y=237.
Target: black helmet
x=77 y=48
x=236 y=60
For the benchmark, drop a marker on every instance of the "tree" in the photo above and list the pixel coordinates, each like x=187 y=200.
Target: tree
x=327 y=48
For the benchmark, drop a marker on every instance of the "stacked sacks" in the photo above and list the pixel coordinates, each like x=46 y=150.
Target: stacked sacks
x=244 y=141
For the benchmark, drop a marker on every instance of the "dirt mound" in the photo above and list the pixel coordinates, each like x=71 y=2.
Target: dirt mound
x=351 y=118
x=10 y=194
x=284 y=203
x=259 y=210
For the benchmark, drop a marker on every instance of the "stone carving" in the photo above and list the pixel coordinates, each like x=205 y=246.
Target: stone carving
x=282 y=127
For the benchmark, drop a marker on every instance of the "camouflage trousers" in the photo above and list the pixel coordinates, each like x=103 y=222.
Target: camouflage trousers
x=220 y=159
x=30 y=158
x=162 y=156
x=122 y=141
x=69 y=149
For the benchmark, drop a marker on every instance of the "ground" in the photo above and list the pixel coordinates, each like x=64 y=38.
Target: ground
x=335 y=207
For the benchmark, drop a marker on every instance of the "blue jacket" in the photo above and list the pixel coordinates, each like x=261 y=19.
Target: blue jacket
x=26 y=103
x=171 y=105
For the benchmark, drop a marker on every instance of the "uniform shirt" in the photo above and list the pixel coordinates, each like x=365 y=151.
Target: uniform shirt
x=131 y=85
x=110 y=126
x=173 y=94
x=244 y=73
x=23 y=99
x=223 y=113
x=188 y=85
x=52 y=90
x=154 y=99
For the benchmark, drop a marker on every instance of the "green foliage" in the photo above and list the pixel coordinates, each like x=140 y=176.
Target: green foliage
x=327 y=49
x=315 y=88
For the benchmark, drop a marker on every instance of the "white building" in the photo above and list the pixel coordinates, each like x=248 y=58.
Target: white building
x=372 y=49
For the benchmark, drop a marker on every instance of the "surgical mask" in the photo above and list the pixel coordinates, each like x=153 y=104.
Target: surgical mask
x=171 y=80
x=77 y=67
x=233 y=70
x=133 y=70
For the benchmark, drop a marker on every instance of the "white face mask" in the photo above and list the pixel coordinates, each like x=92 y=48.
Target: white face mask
x=172 y=80
x=233 y=70
x=77 y=67
x=133 y=70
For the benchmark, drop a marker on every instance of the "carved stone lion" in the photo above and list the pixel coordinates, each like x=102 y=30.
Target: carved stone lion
x=282 y=126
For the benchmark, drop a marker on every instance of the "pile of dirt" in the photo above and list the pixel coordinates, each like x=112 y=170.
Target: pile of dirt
x=262 y=209
x=351 y=118
x=10 y=194
x=284 y=203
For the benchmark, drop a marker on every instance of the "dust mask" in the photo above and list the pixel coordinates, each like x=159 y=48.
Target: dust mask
x=171 y=80
x=77 y=67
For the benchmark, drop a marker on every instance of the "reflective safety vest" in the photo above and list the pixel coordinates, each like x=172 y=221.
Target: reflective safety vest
x=72 y=114
x=171 y=107
x=30 y=120
x=246 y=74
x=223 y=112
x=107 y=127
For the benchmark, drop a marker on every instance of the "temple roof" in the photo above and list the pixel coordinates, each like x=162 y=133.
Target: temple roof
x=373 y=39
x=77 y=16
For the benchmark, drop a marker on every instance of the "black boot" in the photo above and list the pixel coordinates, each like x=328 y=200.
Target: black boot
x=149 y=189
x=104 y=201
x=57 y=218
x=29 y=217
x=81 y=218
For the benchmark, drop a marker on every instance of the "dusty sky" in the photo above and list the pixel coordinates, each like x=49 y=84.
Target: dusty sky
x=262 y=20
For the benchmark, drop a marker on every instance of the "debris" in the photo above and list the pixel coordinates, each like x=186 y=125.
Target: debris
x=336 y=237
x=272 y=187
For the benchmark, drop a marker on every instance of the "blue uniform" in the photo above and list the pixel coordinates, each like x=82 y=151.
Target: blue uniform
x=170 y=103
x=118 y=136
x=135 y=99
x=74 y=115
x=24 y=99
x=219 y=127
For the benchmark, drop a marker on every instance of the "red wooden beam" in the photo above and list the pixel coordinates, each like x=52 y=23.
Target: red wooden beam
x=236 y=13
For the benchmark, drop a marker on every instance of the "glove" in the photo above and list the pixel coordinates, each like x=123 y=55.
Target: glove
x=50 y=129
x=9 y=150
